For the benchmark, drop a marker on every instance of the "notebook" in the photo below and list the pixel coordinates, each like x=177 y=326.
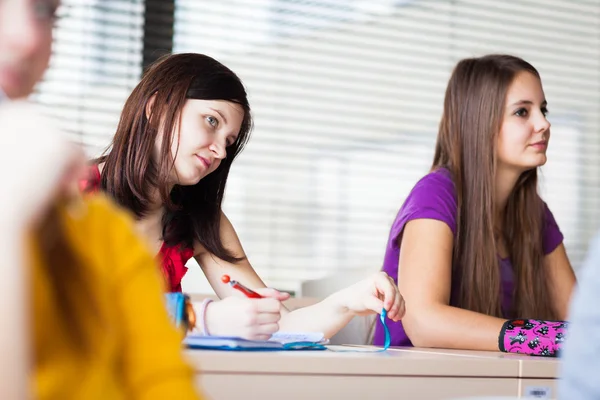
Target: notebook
x=280 y=341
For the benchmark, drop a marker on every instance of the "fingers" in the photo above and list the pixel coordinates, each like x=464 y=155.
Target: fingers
x=374 y=304
x=264 y=332
x=401 y=311
x=273 y=293
x=266 y=305
x=396 y=311
x=386 y=286
x=393 y=301
x=267 y=318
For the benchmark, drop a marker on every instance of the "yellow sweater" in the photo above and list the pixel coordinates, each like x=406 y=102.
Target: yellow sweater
x=135 y=351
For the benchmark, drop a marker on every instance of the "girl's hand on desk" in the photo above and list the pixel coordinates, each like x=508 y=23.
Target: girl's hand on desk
x=371 y=295
x=255 y=319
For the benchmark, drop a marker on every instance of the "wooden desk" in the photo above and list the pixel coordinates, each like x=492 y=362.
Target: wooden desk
x=408 y=373
x=536 y=374
x=329 y=375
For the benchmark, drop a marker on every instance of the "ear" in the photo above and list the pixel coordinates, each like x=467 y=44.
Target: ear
x=149 y=106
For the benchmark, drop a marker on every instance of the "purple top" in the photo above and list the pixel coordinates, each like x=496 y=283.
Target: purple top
x=433 y=197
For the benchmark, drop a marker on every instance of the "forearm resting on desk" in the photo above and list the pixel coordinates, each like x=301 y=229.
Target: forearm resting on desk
x=444 y=326
x=327 y=316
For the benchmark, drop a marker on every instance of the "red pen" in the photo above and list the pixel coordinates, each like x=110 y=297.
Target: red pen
x=236 y=285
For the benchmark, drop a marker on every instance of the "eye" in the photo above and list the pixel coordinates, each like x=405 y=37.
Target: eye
x=231 y=141
x=521 y=112
x=544 y=111
x=212 y=121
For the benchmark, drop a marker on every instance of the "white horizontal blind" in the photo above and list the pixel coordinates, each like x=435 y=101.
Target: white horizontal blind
x=347 y=96
x=96 y=62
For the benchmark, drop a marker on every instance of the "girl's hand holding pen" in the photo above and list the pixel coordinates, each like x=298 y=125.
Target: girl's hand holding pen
x=249 y=318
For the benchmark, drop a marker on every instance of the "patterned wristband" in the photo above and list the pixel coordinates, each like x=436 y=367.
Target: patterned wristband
x=202 y=317
x=532 y=336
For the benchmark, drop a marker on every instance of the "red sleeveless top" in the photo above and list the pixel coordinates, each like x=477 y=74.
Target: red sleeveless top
x=172 y=258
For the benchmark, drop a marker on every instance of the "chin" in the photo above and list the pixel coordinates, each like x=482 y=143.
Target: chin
x=542 y=161
x=533 y=164
x=190 y=181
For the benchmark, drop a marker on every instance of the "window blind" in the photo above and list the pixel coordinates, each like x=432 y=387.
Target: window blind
x=96 y=62
x=347 y=97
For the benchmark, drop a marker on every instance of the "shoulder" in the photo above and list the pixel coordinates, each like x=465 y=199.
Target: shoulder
x=435 y=187
x=432 y=197
x=98 y=213
x=103 y=233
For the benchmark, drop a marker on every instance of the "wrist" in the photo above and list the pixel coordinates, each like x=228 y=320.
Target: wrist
x=338 y=303
x=204 y=316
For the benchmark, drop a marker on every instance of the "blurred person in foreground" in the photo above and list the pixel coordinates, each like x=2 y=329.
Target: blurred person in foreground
x=82 y=314
x=580 y=367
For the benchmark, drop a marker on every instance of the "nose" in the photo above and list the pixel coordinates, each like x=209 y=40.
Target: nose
x=219 y=149
x=542 y=124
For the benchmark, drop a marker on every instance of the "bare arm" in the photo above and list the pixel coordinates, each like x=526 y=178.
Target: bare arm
x=214 y=268
x=333 y=313
x=328 y=316
x=424 y=276
x=562 y=280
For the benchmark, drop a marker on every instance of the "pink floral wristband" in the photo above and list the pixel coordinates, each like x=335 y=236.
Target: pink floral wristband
x=532 y=336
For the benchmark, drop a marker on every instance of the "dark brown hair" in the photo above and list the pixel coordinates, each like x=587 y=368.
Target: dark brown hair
x=131 y=174
x=466 y=146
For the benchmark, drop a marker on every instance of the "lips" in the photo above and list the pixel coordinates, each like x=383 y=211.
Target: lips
x=204 y=161
x=542 y=144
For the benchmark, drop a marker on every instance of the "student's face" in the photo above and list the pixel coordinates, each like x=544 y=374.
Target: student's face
x=207 y=128
x=25 y=41
x=525 y=131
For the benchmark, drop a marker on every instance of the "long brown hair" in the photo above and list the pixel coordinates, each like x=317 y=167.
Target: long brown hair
x=130 y=173
x=466 y=146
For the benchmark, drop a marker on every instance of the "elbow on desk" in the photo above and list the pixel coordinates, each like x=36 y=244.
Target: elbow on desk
x=422 y=330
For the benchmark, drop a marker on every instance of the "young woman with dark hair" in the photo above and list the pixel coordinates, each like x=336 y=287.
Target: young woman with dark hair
x=180 y=130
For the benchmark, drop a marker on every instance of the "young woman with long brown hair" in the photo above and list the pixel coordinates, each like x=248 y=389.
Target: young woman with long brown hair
x=180 y=130
x=81 y=304
x=474 y=246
